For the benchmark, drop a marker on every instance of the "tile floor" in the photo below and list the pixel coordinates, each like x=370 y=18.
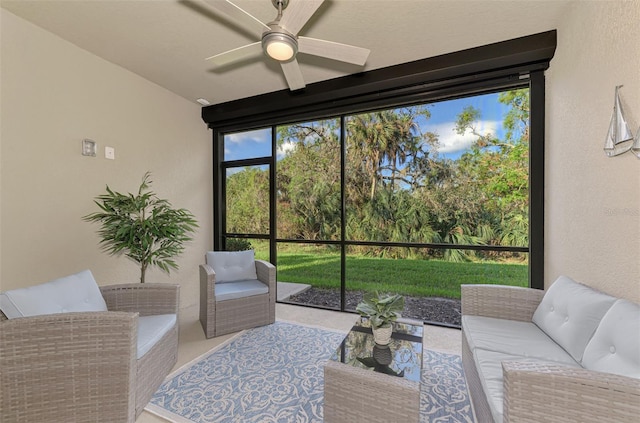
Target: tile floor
x=193 y=343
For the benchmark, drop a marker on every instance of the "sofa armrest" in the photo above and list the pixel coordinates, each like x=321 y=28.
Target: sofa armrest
x=146 y=299
x=535 y=392
x=68 y=367
x=500 y=301
x=266 y=274
x=207 y=282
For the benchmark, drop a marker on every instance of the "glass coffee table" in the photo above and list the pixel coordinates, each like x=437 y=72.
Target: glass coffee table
x=366 y=382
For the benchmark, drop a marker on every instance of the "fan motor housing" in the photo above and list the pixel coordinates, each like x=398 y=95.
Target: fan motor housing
x=279 y=44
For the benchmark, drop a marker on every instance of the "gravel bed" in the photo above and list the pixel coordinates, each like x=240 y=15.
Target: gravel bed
x=429 y=309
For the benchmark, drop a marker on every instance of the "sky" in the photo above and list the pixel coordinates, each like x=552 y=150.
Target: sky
x=443 y=122
x=257 y=143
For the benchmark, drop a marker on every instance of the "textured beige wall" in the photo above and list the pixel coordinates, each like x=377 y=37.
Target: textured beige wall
x=592 y=217
x=53 y=96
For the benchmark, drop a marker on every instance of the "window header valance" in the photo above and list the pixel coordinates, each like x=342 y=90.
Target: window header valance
x=422 y=79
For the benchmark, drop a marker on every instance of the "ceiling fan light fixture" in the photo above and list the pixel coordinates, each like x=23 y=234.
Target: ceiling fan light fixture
x=280 y=41
x=279 y=46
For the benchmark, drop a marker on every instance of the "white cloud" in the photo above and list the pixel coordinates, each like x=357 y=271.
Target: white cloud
x=284 y=148
x=258 y=136
x=451 y=142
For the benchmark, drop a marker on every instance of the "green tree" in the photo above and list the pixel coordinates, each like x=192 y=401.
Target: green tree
x=397 y=187
x=383 y=141
x=248 y=201
x=385 y=162
x=500 y=168
x=308 y=181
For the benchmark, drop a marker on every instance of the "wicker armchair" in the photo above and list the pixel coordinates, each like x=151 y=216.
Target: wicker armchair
x=221 y=316
x=542 y=392
x=80 y=367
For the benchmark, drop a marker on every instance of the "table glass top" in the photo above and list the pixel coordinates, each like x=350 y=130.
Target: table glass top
x=402 y=357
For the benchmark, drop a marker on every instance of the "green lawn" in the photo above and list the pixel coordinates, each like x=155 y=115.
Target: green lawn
x=433 y=278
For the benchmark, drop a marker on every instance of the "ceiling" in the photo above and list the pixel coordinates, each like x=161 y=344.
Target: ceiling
x=166 y=41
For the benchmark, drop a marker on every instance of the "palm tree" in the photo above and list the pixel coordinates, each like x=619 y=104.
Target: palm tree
x=383 y=140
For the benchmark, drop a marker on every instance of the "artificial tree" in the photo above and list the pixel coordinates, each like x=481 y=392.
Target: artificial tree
x=143 y=227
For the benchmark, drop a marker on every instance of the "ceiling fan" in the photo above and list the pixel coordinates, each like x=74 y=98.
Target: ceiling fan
x=280 y=40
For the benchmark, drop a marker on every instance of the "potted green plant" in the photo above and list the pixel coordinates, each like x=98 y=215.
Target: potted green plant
x=143 y=227
x=382 y=310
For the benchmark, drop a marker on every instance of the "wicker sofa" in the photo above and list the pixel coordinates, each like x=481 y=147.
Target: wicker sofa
x=571 y=354
x=98 y=366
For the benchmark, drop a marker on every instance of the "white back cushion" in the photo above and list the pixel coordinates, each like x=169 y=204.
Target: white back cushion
x=615 y=347
x=74 y=293
x=570 y=313
x=232 y=266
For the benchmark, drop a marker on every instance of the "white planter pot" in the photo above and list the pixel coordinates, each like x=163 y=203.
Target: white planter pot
x=382 y=336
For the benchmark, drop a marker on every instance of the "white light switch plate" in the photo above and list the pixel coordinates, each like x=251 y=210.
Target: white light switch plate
x=110 y=153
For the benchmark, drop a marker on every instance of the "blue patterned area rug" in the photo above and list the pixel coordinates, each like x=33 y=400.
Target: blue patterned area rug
x=444 y=396
x=275 y=374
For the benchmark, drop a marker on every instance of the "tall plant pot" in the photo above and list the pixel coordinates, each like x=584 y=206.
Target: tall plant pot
x=382 y=335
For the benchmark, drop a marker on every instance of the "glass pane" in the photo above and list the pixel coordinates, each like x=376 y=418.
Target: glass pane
x=261 y=248
x=384 y=168
x=247 y=145
x=431 y=286
x=247 y=192
x=451 y=172
x=308 y=181
x=314 y=271
x=402 y=357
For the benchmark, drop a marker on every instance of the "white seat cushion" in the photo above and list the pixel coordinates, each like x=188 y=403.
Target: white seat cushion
x=232 y=266
x=512 y=337
x=240 y=289
x=74 y=293
x=489 y=365
x=615 y=347
x=151 y=329
x=570 y=313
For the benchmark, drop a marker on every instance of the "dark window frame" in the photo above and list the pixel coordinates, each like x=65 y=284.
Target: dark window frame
x=495 y=67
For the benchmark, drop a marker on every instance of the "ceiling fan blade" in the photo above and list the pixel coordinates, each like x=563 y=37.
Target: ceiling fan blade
x=292 y=74
x=236 y=54
x=298 y=13
x=335 y=51
x=238 y=15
